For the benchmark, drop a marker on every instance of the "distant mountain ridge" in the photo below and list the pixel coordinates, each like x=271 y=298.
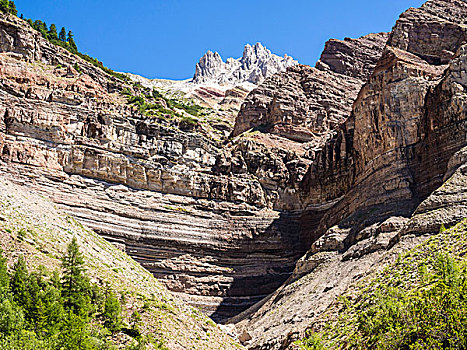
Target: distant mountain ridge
x=256 y=64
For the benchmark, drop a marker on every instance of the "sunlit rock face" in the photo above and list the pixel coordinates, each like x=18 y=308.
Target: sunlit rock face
x=256 y=64
x=339 y=161
x=391 y=174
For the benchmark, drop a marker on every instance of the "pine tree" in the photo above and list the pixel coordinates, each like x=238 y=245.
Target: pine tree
x=75 y=285
x=19 y=281
x=52 y=33
x=62 y=35
x=112 y=313
x=12 y=8
x=71 y=42
x=4 y=6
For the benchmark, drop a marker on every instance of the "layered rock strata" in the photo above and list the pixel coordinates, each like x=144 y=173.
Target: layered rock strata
x=148 y=187
x=305 y=104
x=374 y=189
x=337 y=158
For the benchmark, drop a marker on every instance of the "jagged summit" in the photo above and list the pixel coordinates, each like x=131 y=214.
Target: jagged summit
x=256 y=64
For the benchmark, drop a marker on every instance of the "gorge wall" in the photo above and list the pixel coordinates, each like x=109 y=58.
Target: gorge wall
x=326 y=174
x=384 y=181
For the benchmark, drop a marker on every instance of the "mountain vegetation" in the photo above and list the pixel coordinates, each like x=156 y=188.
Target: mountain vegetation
x=59 y=309
x=419 y=302
x=64 y=39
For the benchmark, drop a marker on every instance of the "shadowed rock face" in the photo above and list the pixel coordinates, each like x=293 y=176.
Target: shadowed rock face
x=346 y=153
x=219 y=225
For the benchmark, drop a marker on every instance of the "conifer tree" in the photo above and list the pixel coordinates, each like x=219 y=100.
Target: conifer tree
x=62 y=35
x=4 y=6
x=4 y=278
x=112 y=312
x=12 y=8
x=71 y=42
x=75 y=285
x=19 y=281
x=52 y=33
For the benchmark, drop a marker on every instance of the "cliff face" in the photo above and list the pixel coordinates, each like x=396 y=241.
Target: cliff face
x=305 y=104
x=366 y=191
x=140 y=183
x=33 y=228
x=340 y=161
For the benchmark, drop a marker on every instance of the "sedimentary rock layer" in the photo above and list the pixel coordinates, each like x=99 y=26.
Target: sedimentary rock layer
x=374 y=187
x=214 y=238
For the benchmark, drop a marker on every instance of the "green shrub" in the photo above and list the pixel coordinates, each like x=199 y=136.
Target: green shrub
x=77 y=67
x=312 y=342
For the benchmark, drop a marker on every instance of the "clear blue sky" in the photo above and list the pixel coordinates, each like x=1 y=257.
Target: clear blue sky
x=165 y=38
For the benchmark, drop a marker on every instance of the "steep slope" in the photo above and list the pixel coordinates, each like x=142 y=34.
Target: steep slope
x=34 y=228
x=219 y=225
x=222 y=86
x=404 y=137
x=343 y=158
x=304 y=103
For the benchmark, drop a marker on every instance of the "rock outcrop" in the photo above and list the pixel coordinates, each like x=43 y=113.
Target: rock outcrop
x=343 y=162
x=256 y=64
x=214 y=238
x=305 y=104
x=33 y=228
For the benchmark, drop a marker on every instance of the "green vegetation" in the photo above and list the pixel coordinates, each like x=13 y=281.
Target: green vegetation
x=8 y=7
x=41 y=310
x=420 y=302
x=192 y=109
x=152 y=103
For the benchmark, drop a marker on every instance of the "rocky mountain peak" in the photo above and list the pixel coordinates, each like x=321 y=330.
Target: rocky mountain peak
x=256 y=64
x=209 y=65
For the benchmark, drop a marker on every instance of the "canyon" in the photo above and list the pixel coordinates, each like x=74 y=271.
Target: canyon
x=322 y=177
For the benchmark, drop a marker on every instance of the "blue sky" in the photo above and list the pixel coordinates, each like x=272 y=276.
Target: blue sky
x=165 y=38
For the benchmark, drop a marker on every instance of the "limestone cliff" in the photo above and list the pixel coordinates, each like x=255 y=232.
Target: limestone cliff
x=142 y=182
x=374 y=188
x=329 y=173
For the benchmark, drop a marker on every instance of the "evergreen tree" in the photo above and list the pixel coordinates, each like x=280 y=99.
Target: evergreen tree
x=19 y=281
x=12 y=8
x=71 y=42
x=62 y=35
x=112 y=312
x=52 y=33
x=75 y=284
x=4 y=6
x=4 y=278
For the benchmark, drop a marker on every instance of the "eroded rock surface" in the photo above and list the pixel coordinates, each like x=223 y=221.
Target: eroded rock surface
x=343 y=162
x=214 y=238
x=374 y=188
x=305 y=104
x=256 y=64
